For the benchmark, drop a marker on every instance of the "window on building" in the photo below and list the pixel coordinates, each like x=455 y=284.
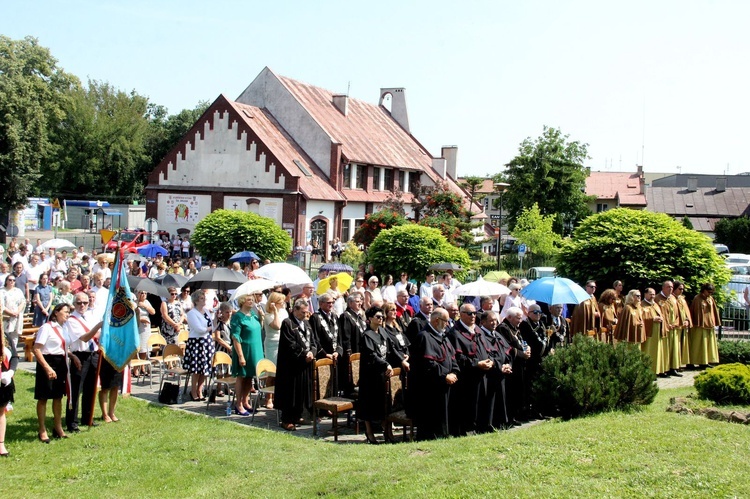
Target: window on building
x=357 y=223
x=600 y=207
x=414 y=182
x=486 y=202
x=401 y=180
x=346 y=230
x=361 y=176
x=347 y=176
x=376 y=179
x=388 y=179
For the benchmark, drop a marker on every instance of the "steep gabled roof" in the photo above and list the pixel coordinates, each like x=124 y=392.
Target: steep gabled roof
x=368 y=134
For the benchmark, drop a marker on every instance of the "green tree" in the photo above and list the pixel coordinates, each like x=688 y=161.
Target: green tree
x=32 y=95
x=642 y=249
x=735 y=233
x=376 y=222
x=225 y=232
x=535 y=230
x=687 y=223
x=99 y=145
x=412 y=248
x=352 y=255
x=471 y=184
x=549 y=171
x=440 y=208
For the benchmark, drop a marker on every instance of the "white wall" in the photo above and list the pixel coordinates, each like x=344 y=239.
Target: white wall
x=220 y=159
x=178 y=211
x=268 y=207
x=266 y=91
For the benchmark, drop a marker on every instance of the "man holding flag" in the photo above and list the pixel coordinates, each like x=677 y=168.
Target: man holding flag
x=119 y=338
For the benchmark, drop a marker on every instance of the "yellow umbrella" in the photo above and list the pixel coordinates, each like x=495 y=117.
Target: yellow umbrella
x=496 y=276
x=344 y=283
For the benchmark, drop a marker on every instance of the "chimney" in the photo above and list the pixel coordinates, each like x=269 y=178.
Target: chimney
x=439 y=165
x=692 y=185
x=721 y=184
x=342 y=103
x=640 y=169
x=450 y=153
x=398 y=105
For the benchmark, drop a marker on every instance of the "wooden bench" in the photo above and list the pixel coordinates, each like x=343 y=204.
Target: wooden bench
x=28 y=344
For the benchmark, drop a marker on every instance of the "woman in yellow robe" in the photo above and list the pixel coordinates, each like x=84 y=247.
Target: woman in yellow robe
x=704 y=349
x=630 y=321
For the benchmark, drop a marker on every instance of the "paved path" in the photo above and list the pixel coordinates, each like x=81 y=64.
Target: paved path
x=266 y=419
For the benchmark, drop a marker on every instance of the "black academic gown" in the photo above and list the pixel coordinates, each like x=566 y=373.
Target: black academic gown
x=400 y=344
x=470 y=392
x=432 y=359
x=294 y=374
x=351 y=328
x=417 y=324
x=376 y=355
x=326 y=329
x=561 y=332
x=514 y=384
x=500 y=351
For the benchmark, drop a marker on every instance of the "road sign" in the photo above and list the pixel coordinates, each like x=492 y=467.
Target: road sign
x=56 y=204
x=521 y=249
x=495 y=217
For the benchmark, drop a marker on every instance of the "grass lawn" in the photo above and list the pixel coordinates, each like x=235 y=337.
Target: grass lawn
x=155 y=451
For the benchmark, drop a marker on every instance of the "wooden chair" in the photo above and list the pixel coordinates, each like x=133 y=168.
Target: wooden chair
x=182 y=338
x=324 y=376
x=172 y=366
x=155 y=344
x=354 y=375
x=395 y=413
x=265 y=370
x=221 y=359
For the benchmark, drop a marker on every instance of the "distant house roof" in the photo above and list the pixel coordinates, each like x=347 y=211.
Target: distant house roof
x=702 y=180
x=623 y=187
x=703 y=202
x=486 y=187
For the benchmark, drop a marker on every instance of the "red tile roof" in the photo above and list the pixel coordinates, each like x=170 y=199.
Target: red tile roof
x=367 y=133
x=624 y=187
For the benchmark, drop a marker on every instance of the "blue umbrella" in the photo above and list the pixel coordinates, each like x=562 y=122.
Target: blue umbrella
x=244 y=257
x=553 y=290
x=151 y=250
x=335 y=267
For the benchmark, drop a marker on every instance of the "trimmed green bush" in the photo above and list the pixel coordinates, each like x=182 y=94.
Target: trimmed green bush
x=731 y=352
x=588 y=377
x=727 y=384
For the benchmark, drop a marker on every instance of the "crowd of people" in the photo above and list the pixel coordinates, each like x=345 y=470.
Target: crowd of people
x=466 y=363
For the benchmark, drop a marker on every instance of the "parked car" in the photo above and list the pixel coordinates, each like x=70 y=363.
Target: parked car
x=740 y=258
x=539 y=272
x=132 y=239
x=721 y=249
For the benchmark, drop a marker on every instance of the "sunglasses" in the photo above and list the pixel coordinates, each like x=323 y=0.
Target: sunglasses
x=469 y=313
x=378 y=316
x=535 y=312
x=82 y=303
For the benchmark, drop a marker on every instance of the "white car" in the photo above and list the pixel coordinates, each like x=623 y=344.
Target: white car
x=539 y=272
x=739 y=258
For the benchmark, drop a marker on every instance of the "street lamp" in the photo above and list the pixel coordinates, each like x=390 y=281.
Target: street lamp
x=500 y=187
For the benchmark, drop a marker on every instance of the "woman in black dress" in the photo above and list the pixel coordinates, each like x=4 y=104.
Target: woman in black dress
x=395 y=328
x=377 y=355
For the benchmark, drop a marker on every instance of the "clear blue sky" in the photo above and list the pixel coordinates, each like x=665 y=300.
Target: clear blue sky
x=483 y=75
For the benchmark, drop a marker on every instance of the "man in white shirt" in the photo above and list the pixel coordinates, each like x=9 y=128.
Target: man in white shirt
x=4 y=271
x=84 y=357
x=33 y=272
x=101 y=300
x=22 y=256
x=425 y=290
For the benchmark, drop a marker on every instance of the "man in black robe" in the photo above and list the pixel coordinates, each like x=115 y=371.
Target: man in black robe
x=352 y=326
x=559 y=326
x=534 y=333
x=420 y=320
x=500 y=352
x=469 y=394
x=433 y=372
x=325 y=325
x=296 y=358
x=519 y=354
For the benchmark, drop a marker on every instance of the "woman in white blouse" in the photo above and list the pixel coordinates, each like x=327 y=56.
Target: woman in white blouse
x=50 y=349
x=199 y=351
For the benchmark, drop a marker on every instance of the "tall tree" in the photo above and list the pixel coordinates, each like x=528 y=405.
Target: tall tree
x=472 y=184
x=549 y=171
x=165 y=129
x=735 y=233
x=33 y=91
x=535 y=230
x=100 y=145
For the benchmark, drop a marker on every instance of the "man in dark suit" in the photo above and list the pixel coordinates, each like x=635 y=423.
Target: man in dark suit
x=324 y=324
x=559 y=325
x=420 y=320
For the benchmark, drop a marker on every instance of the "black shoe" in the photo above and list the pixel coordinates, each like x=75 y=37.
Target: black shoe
x=74 y=429
x=675 y=373
x=93 y=424
x=58 y=436
x=5 y=454
x=43 y=440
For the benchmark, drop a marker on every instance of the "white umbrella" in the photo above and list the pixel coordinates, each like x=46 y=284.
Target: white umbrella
x=253 y=286
x=480 y=287
x=286 y=274
x=56 y=244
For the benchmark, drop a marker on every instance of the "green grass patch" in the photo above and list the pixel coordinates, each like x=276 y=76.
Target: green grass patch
x=158 y=451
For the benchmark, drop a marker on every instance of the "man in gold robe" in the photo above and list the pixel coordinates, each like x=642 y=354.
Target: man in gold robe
x=704 y=349
x=586 y=314
x=668 y=303
x=685 y=321
x=656 y=335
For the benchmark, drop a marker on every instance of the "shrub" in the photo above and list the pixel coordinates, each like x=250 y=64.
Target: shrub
x=731 y=352
x=352 y=256
x=725 y=384
x=588 y=377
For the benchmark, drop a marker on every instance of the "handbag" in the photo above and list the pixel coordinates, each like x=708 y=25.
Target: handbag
x=169 y=393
